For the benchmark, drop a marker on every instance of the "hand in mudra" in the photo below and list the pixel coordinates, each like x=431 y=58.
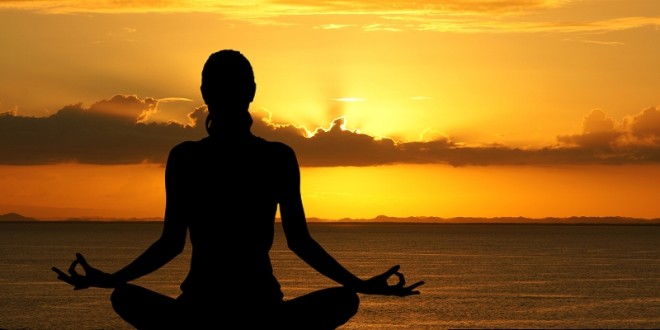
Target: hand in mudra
x=379 y=284
x=92 y=277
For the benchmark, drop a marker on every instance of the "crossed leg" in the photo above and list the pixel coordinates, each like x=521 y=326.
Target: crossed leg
x=323 y=309
x=146 y=309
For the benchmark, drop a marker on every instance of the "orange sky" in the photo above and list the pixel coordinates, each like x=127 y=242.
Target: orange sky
x=435 y=108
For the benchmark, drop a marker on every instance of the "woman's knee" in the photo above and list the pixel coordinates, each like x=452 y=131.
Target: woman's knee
x=143 y=308
x=122 y=297
x=351 y=302
x=323 y=309
x=343 y=301
x=128 y=298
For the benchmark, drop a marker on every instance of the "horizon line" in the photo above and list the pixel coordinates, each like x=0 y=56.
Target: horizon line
x=15 y=217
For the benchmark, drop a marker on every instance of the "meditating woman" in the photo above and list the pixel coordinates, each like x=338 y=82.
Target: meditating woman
x=224 y=190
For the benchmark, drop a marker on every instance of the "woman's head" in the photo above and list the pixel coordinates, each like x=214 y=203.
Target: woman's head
x=227 y=88
x=227 y=77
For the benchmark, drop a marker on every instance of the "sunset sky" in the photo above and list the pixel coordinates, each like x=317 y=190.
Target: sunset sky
x=535 y=108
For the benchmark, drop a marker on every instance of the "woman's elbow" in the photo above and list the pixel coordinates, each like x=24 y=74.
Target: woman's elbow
x=300 y=245
x=176 y=250
x=170 y=248
x=295 y=247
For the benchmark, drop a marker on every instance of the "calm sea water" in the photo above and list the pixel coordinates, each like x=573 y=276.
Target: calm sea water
x=477 y=276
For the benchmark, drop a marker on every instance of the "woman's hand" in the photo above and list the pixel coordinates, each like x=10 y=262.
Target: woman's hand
x=379 y=284
x=92 y=277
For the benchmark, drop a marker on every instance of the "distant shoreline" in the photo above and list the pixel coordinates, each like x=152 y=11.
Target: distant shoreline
x=354 y=223
x=17 y=218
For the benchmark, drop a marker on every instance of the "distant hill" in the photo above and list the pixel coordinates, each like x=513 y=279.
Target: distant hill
x=15 y=217
x=112 y=219
x=509 y=220
x=581 y=220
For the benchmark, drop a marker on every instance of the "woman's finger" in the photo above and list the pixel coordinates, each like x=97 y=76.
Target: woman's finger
x=72 y=268
x=64 y=277
x=412 y=287
x=402 y=280
x=82 y=261
x=384 y=276
x=393 y=270
x=60 y=274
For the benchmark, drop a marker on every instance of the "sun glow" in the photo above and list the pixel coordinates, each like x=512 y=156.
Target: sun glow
x=350 y=99
x=477 y=78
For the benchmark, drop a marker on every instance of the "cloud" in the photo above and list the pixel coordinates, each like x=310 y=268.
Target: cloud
x=480 y=25
x=419 y=7
x=595 y=42
x=129 y=107
x=460 y=16
x=334 y=146
x=598 y=131
x=123 y=6
x=645 y=126
x=114 y=131
x=601 y=131
x=635 y=139
x=110 y=131
x=286 y=7
x=599 y=143
x=174 y=99
x=333 y=26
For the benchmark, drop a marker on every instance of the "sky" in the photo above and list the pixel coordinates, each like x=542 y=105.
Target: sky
x=494 y=108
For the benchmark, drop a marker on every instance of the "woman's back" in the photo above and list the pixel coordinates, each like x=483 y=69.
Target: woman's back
x=228 y=198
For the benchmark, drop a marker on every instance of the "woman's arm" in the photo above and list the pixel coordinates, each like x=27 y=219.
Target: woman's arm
x=173 y=237
x=302 y=244
x=169 y=245
x=295 y=228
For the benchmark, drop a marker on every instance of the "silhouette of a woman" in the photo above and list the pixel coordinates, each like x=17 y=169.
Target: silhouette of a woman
x=225 y=189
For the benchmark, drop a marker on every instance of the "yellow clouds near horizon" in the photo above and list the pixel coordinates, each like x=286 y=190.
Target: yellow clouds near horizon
x=109 y=164
x=286 y=7
x=480 y=75
x=463 y=16
x=118 y=131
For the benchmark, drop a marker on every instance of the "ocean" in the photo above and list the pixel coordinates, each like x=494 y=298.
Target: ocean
x=477 y=275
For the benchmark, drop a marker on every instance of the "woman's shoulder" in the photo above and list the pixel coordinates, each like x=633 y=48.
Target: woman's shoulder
x=259 y=142
x=185 y=146
x=277 y=148
x=185 y=151
x=275 y=145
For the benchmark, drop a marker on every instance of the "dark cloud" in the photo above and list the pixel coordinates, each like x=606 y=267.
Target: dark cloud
x=599 y=143
x=330 y=147
x=603 y=140
x=128 y=106
x=646 y=125
x=598 y=132
x=116 y=131
x=108 y=132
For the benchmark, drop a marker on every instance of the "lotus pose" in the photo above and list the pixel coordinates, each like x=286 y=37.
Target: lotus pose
x=224 y=190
